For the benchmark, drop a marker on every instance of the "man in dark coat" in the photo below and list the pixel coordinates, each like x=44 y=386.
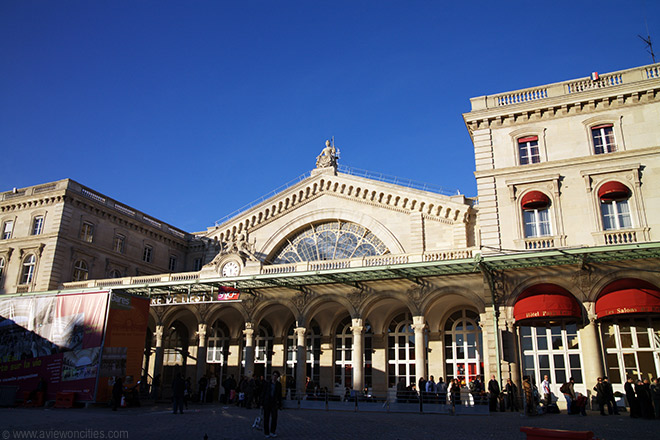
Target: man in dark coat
x=633 y=403
x=178 y=391
x=609 y=396
x=600 y=397
x=271 y=399
x=117 y=392
x=493 y=394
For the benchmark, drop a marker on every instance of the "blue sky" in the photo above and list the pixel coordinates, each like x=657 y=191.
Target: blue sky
x=188 y=110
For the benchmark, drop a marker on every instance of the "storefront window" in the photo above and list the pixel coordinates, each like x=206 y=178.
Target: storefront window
x=633 y=348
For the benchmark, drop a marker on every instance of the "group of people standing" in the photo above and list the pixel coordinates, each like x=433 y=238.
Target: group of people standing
x=643 y=398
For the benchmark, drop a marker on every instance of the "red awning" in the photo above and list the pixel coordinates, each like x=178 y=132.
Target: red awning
x=598 y=127
x=613 y=191
x=544 y=301
x=528 y=139
x=535 y=200
x=628 y=295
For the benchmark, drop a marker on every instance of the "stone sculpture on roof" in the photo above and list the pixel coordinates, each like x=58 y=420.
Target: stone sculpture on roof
x=328 y=156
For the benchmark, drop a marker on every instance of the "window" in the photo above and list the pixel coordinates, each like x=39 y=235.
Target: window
x=631 y=344
x=37 y=225
x=401 y=351
x=27 y=274
x=197 y=264
x=603 y=138
x=2 y=267
x=528 y=150
x=172 y=265
x=614 y=205
x=147 y=255
x=114 y=273
x=118 y=243
x=80 y=271
x=537 y=222
x=87 y=232
x=463 y=342
x=6 y=229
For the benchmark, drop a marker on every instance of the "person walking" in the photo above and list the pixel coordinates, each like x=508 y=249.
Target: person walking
x=511 y=391
x=271 y=399
x=633 y=403
x=528 y=392
x=178 y=391
x=202 y=388
x=600 y=397
x=609 y=396
x=545 y=389
x=569 y=394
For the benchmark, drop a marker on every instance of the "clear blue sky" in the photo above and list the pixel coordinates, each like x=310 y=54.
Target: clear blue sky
x=188 y=110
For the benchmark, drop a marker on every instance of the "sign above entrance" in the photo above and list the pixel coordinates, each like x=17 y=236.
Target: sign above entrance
x=222 y=294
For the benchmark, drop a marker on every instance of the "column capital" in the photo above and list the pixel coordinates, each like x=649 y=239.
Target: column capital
x=358 y=325
x=160 y=329
x=201 y=333
x=418 y=324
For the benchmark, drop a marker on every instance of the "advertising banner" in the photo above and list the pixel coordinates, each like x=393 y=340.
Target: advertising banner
x=52 y=339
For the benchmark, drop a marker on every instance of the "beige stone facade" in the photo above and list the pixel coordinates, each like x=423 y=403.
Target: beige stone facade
x=368 y=283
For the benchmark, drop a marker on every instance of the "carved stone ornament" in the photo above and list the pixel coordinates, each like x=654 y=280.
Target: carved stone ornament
x=302 y=299
x=328 y=156
x=416 y=294
x=356 y=297
x=250 y=304
x=238 y=244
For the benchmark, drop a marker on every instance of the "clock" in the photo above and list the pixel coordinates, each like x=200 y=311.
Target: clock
x=230 y=269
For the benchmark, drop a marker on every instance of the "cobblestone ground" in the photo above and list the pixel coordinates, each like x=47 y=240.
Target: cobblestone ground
x=222 y=422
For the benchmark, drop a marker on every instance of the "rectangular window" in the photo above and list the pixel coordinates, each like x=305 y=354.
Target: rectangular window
x=172 y=264
x=6 y=229
x=37 y=225
x=528 y=149
x=197 y=264
x=616 y=214
x=147 y=255
x=87 y=232
x=537 y=222
x=603 y=137
x=118 y=243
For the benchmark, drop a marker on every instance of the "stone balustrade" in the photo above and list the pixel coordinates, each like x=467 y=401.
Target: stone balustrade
x=645 y=73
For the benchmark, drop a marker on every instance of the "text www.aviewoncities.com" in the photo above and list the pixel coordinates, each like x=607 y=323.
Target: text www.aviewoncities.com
x=62 y=434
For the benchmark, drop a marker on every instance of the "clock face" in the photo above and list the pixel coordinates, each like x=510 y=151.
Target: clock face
x=230 y=269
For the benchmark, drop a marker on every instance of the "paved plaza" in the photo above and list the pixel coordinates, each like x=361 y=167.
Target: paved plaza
x=221 y=422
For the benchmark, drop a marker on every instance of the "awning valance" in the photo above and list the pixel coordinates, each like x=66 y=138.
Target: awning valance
x=544 y=301
x=613 y=191
x=535 y=200
x=628 y=295
x=528 y=139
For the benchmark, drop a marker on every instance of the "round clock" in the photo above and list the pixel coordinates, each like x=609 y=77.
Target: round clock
x=231 y=269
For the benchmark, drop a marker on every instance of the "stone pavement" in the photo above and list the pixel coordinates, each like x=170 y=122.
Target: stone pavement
x=221 y=422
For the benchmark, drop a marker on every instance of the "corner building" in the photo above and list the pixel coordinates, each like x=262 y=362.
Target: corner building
x=358 y=282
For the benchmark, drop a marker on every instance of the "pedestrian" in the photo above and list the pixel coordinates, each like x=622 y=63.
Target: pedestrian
x=493 y=393
x=202 y=383
x=155 y=387
x=633 y=403
x=476 y=389
x=178 y=391
x=441 y=388
x=271 y=399
x=600 y=397
x=429 y=395
x=655 y=396
x=545 y=389
x=528 y=392
x=511 y=391
x=609 y=396
x=643 y=391
x=455 y=392
x=117 y=393
x=568 y=391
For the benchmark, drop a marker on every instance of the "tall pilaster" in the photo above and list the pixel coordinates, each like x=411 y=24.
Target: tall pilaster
x=358 y=354
x=593 y=368
x=201 y=350
x=158 y=362
x=419 y=325
x=249 y=348
x=301 y=360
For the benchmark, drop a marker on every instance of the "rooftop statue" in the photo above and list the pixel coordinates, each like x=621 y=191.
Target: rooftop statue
x=328 y=156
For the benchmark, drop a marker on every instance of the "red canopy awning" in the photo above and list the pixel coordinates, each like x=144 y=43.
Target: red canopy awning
x=528 y=139
x=544 y=301
x=628 y=295
x=613 y=191
x=535 y=200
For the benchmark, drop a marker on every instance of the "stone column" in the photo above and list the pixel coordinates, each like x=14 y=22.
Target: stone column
x=358 y=354
x=201 y=350
x=512 y=353
x=160 y=351
x=301 y=360
x=249 y=348
x=420 y=348
x=590 y=348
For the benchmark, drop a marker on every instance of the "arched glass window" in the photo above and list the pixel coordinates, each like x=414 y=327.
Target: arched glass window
x=330 y=241
x=218 y=344
x=114 y=273
x=463 y=344
x=27 y=273
x=536 y=214
x=401 y=350
x=80 y=271
x=614 y=206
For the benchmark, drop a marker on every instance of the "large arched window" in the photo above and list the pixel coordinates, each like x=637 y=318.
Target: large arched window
x=218 y=344
x=27 y=273
x=80 y=271
x=401 y=350
x=463 y=346
x=329 y=241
